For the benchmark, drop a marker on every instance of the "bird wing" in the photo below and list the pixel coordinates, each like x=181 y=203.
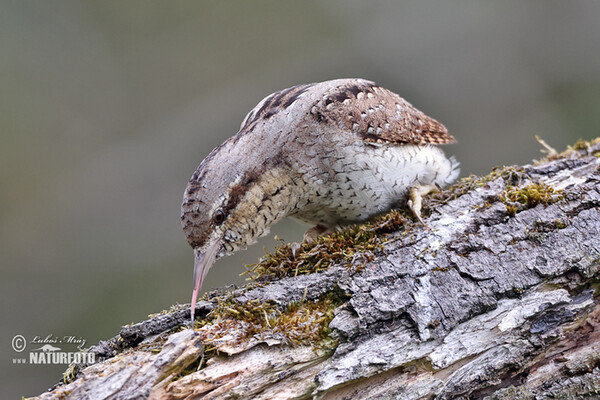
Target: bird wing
x=378 y=115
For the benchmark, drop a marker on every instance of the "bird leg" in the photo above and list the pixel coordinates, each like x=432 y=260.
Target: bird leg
x=415 y=199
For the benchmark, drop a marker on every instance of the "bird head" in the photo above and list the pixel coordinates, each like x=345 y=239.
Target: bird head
x=211 y=212
x=244 y=185
x=230 y=201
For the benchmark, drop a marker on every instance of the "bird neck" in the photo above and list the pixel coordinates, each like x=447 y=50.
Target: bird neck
x=275 y=194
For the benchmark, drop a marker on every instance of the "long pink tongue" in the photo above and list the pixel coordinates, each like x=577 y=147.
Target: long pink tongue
x=202 y=263
x=199 y=268
x=193 y=305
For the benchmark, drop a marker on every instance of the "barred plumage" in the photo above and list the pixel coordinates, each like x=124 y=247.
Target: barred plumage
x=378 y=114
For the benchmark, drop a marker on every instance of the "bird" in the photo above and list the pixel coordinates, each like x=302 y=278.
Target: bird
x=330 y=153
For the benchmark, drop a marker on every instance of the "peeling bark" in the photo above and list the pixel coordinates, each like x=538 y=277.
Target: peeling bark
x=496 y=300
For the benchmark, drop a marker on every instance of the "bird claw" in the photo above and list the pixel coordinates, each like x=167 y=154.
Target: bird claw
x=416 y=194
x=295 y=246
x=416 y=213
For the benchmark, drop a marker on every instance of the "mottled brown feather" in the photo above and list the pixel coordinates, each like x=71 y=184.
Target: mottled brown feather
x=378 y=115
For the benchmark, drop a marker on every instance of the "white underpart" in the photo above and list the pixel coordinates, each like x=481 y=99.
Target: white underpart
x=378 y=179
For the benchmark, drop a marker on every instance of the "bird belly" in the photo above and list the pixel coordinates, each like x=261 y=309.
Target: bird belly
x=365 y=180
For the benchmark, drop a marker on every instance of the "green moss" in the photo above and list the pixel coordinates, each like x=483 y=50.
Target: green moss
x=70 y=374
x=521 y=198
x=578 y=149
x=510 y=174
x=306 y=322
x=581 y=144
x=354 y=245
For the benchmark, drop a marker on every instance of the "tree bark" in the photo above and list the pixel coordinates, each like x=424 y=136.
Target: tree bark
x=497 y=298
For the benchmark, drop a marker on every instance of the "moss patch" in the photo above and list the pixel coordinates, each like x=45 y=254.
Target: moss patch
x=354 y=245
x=512 y=175
x=70 y=374
x=519 y=199
x=581 y=148
x=299 y=323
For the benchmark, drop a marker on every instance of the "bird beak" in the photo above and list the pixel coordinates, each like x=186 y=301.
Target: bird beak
x=202 y=263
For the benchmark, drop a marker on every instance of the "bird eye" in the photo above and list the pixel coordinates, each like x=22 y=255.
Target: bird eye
x=219 y=217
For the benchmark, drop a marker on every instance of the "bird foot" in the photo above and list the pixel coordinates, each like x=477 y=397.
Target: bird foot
x=295 y=246
x=415 y=200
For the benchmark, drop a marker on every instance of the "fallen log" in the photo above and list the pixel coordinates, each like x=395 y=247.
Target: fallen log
x=496 y=299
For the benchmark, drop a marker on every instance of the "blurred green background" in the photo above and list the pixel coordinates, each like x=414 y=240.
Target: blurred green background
x=107 y=107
